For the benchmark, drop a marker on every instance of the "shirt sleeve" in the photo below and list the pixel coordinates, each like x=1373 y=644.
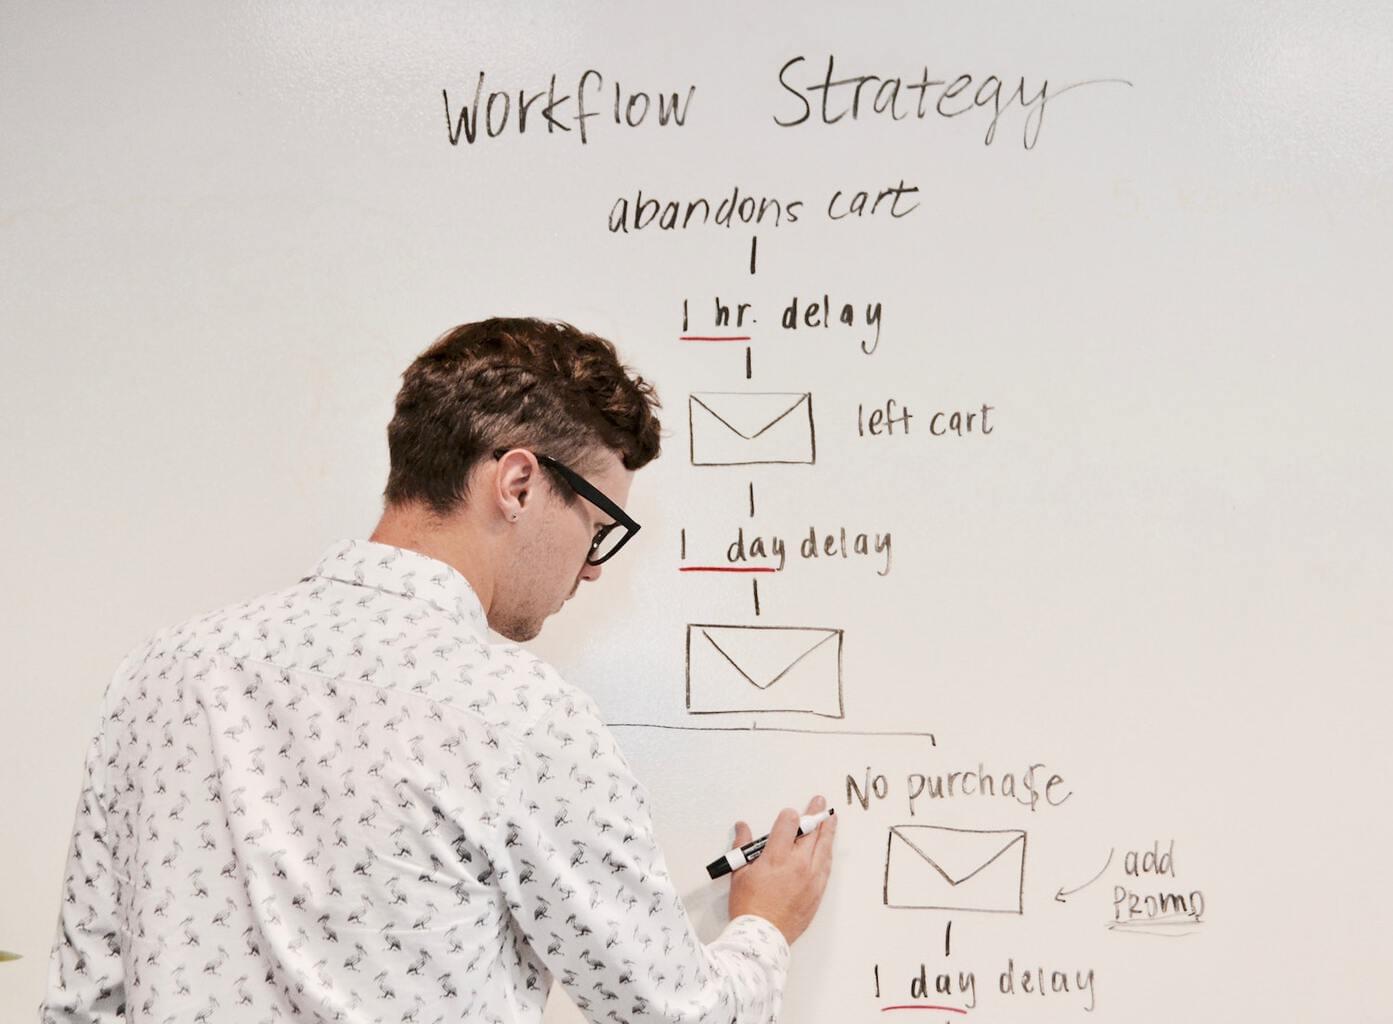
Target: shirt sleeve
x=588 y=888
x=86 y=976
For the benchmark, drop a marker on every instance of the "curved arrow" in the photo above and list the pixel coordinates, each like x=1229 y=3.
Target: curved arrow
x=1062 y=892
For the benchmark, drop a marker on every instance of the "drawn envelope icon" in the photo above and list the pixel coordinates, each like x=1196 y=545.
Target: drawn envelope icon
x=764 y=668
x=745 y=428
x=938 y=868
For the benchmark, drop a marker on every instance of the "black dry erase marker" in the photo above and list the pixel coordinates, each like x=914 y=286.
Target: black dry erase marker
x=729 y=862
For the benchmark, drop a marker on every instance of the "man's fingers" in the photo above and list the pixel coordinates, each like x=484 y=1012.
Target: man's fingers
x=742 y=834
x=785 y=829
x=808 y=843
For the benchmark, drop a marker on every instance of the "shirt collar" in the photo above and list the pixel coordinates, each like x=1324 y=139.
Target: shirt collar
x=365 y=563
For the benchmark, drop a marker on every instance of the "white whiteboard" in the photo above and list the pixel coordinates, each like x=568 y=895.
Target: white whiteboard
x=1161 y=576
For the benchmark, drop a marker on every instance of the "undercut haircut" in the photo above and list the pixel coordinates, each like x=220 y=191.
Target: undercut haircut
x=513 y=382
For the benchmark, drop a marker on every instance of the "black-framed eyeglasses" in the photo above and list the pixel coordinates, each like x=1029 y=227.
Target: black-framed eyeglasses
x=610 y=537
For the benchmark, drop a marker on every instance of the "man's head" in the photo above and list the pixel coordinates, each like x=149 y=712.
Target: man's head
x=499 y=427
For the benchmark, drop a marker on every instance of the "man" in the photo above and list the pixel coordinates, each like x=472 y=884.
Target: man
x=345 y=801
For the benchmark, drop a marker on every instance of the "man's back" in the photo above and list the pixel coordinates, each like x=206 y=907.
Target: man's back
x=341 y=801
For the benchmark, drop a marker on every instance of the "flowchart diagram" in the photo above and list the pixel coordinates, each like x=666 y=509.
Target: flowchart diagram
x=770 y=673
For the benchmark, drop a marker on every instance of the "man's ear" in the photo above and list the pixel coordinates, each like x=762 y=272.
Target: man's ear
x=514 y=479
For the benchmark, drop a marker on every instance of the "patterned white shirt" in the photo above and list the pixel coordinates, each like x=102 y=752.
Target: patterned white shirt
x=344 y=802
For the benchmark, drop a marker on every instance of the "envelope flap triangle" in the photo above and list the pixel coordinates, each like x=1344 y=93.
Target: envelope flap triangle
x=957 y=854
x=749 y=415
x=764 y=656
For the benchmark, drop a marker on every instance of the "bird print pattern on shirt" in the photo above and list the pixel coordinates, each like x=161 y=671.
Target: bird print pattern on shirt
x=345 y=802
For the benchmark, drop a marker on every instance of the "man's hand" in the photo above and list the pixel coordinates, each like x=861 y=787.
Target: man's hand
x=785 y=885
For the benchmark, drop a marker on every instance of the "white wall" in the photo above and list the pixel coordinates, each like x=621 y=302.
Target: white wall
x=225 y=230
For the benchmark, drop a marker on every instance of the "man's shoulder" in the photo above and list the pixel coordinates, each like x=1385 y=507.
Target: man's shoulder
x=233 y=630
x=558 y=728
x=538 y=693
x=416 y=649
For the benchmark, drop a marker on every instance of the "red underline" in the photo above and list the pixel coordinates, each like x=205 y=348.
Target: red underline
x=724 y=568
x=921 y=1006
x=703 y=337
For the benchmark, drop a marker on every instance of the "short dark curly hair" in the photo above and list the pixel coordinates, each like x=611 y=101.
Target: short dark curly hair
x=513 y=382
